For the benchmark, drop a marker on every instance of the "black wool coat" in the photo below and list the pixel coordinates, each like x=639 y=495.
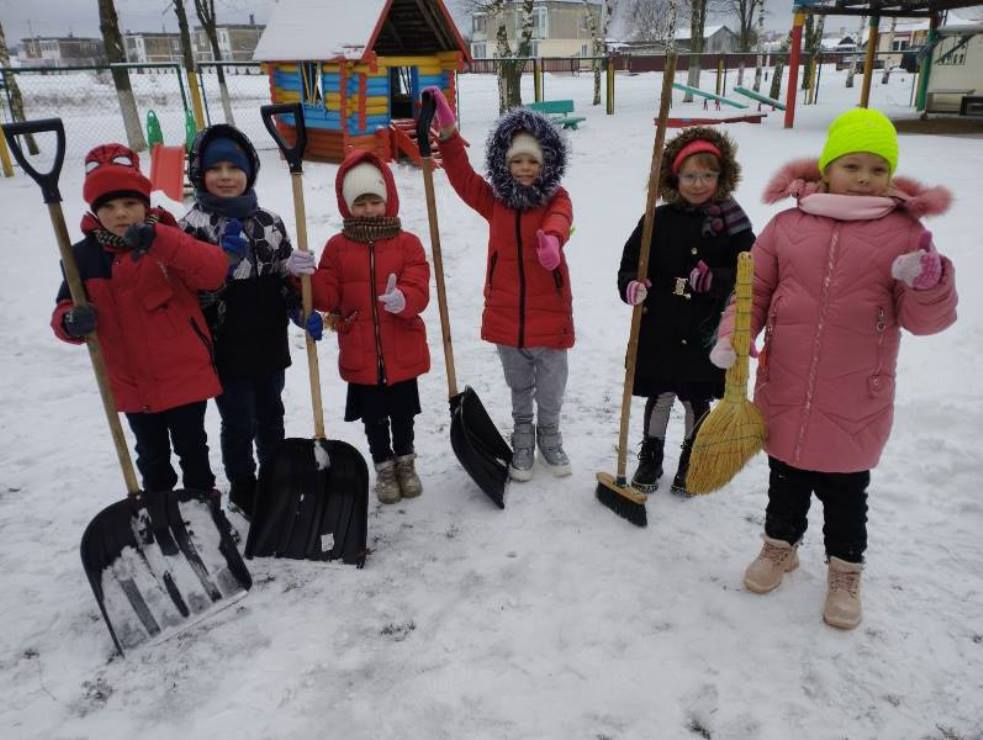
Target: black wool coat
x=678 y=326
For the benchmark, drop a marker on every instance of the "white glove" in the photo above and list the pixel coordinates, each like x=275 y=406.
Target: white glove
x=393 y=299
x=301 y=263
x=723 y=355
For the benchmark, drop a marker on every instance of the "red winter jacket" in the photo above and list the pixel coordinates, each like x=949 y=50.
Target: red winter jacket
x=155 y=341
x=526 y=305
x=376 y=346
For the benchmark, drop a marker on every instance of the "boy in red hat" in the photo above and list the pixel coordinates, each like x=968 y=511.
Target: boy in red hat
x=141 y=274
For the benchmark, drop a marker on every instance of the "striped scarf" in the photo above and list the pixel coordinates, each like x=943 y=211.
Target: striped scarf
x=719 y=216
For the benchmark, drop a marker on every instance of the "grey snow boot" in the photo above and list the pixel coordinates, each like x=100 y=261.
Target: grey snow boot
x=551 y=450
x=386 y=486
x=409 y=483
x=523 y=451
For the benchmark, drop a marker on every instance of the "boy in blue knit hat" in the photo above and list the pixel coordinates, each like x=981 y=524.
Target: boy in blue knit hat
x=248 y=314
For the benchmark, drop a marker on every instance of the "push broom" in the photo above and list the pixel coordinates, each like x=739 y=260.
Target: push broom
x=613 y=490
x=733 y=432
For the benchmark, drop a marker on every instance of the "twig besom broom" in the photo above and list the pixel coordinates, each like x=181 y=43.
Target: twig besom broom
x=733 y=431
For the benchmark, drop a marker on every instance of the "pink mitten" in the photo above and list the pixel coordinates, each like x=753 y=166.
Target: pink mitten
x=723 y=355
x=445 y=115
x=548 y=250
x=637 y=292
x=700 y=277
x=921 y=269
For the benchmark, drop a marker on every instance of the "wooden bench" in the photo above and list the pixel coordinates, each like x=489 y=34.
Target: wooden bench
x=558 y=112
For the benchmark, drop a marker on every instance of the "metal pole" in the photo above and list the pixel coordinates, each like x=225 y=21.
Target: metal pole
x=925 y=70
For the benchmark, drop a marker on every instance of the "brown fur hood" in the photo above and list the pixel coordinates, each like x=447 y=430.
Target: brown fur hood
x=801 y=177
x=730 y=170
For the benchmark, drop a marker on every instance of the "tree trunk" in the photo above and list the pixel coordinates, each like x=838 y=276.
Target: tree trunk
x=698 y=16
x=206 y=15
x=13 y=90
x=759 y=58
x=776 y=78
x=855 y=56
x=890 y=47
x=188 y=56
x=116 y=52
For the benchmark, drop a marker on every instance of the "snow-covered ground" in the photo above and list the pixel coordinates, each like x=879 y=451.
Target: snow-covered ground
x=553 y=618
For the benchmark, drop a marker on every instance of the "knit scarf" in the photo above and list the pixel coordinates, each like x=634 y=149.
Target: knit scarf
x=240 y=207
x=719 y=216
x=367 y=230
x=848 y=207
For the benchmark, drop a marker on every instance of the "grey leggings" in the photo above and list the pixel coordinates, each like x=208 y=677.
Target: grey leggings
x=657 y=410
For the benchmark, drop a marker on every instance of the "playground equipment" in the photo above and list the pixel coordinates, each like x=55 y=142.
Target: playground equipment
x=684 y=121
x=167 y=162
x=707 y=96
x=759 y=98
x=558 y=112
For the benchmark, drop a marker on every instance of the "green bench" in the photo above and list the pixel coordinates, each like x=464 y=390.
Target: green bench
x=558 y=112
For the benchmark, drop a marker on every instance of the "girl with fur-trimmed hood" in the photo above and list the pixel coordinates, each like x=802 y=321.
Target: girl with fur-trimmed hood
x=836 y=278
x=699 y=231
x=528 y=304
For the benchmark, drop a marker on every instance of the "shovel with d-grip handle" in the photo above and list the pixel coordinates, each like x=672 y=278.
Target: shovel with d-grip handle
x=476 y=440
x=312 y=497
x=157 y=559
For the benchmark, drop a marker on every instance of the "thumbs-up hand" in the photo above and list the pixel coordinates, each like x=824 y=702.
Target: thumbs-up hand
x=393 y=299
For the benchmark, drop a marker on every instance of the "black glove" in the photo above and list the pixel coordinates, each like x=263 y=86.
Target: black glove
x=139 y=237
x=79 y=321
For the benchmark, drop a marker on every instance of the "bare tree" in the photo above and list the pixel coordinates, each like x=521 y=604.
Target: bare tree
x=744 y=11
x=697 y=22
x=116 y=52
x=812 y=38
x=13 y=89
x=188 y=55
x=598 y=30
x=759 y=59
x=776 y=76
x=206 y=14
x=647 y=19
x=854 y=58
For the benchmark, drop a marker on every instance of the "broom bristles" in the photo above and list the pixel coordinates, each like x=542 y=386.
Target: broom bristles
x=732 y=434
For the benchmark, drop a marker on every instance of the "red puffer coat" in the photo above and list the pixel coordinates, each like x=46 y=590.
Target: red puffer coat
x=526 y=305
x=156 y=343
x=376 y=346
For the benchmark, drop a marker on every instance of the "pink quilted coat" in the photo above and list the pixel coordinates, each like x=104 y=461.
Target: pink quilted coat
x=832 y=317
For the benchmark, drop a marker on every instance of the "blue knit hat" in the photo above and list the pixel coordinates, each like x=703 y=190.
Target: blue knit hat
x=224 y=149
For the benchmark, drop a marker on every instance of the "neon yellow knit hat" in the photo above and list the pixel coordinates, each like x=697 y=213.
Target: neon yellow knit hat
x=861 y=130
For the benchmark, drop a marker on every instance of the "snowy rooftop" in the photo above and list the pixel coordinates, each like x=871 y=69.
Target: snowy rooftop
x=318 y=29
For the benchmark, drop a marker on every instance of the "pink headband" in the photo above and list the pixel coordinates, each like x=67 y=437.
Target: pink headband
x=694 y=147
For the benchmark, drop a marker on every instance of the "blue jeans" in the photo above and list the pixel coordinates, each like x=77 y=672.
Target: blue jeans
x=184 y=426
x=252 y=412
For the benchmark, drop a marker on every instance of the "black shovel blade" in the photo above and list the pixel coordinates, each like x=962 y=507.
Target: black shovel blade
x=159 y=560
x=479 y=445
x=306 y=511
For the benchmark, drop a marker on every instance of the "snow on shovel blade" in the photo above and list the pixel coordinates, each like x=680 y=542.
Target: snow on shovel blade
x=479 y=445
x=160 y=561
x=308 y=511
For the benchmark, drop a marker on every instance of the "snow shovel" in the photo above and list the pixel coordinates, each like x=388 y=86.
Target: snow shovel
x=157 y=559
x=476 y=440
x=614 y=492
x=312 y=498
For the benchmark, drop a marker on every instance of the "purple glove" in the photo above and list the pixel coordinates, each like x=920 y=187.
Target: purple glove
x=444 y=114
x=548 y=250
x=637 y=292
x=393 y=299
x=723 y=355
x=921 y=269
x=700 y=277
x=301 y=263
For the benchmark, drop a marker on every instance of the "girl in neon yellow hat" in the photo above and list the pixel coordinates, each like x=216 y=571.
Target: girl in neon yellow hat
x=837 y=277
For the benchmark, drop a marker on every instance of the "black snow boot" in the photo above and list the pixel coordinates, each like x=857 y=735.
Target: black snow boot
x=679 y=481
x=646 y=478
x=242 y=493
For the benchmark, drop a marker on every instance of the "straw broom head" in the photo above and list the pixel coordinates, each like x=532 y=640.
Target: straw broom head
x=733 y=432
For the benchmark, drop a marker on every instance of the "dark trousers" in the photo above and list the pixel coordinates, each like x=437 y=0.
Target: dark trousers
x=844 y=497
x=377 y=431
x=184 y=426
x=252 y=412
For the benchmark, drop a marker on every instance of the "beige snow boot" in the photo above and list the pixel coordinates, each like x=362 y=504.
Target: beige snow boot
x=842 y=609
x=409 y=483
x=386 y=487
x=777 y=557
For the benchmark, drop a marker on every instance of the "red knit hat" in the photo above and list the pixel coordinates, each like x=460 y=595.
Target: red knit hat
x=113 y=171
x=694 y=147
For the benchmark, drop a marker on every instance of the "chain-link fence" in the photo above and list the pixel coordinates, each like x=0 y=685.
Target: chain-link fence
x=86 y=101
x=248 y=87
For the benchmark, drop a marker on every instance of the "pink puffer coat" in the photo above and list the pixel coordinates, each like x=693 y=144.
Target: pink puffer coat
x=832 y=316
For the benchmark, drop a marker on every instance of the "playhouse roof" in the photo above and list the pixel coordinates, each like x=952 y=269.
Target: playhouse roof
x=328 y=29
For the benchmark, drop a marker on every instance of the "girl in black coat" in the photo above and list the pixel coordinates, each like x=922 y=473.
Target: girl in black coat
x=699 y=231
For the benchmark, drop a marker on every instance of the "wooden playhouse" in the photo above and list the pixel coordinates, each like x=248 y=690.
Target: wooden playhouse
x=358 y=68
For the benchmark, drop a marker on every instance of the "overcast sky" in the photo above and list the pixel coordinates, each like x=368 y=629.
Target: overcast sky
x=21 y=18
